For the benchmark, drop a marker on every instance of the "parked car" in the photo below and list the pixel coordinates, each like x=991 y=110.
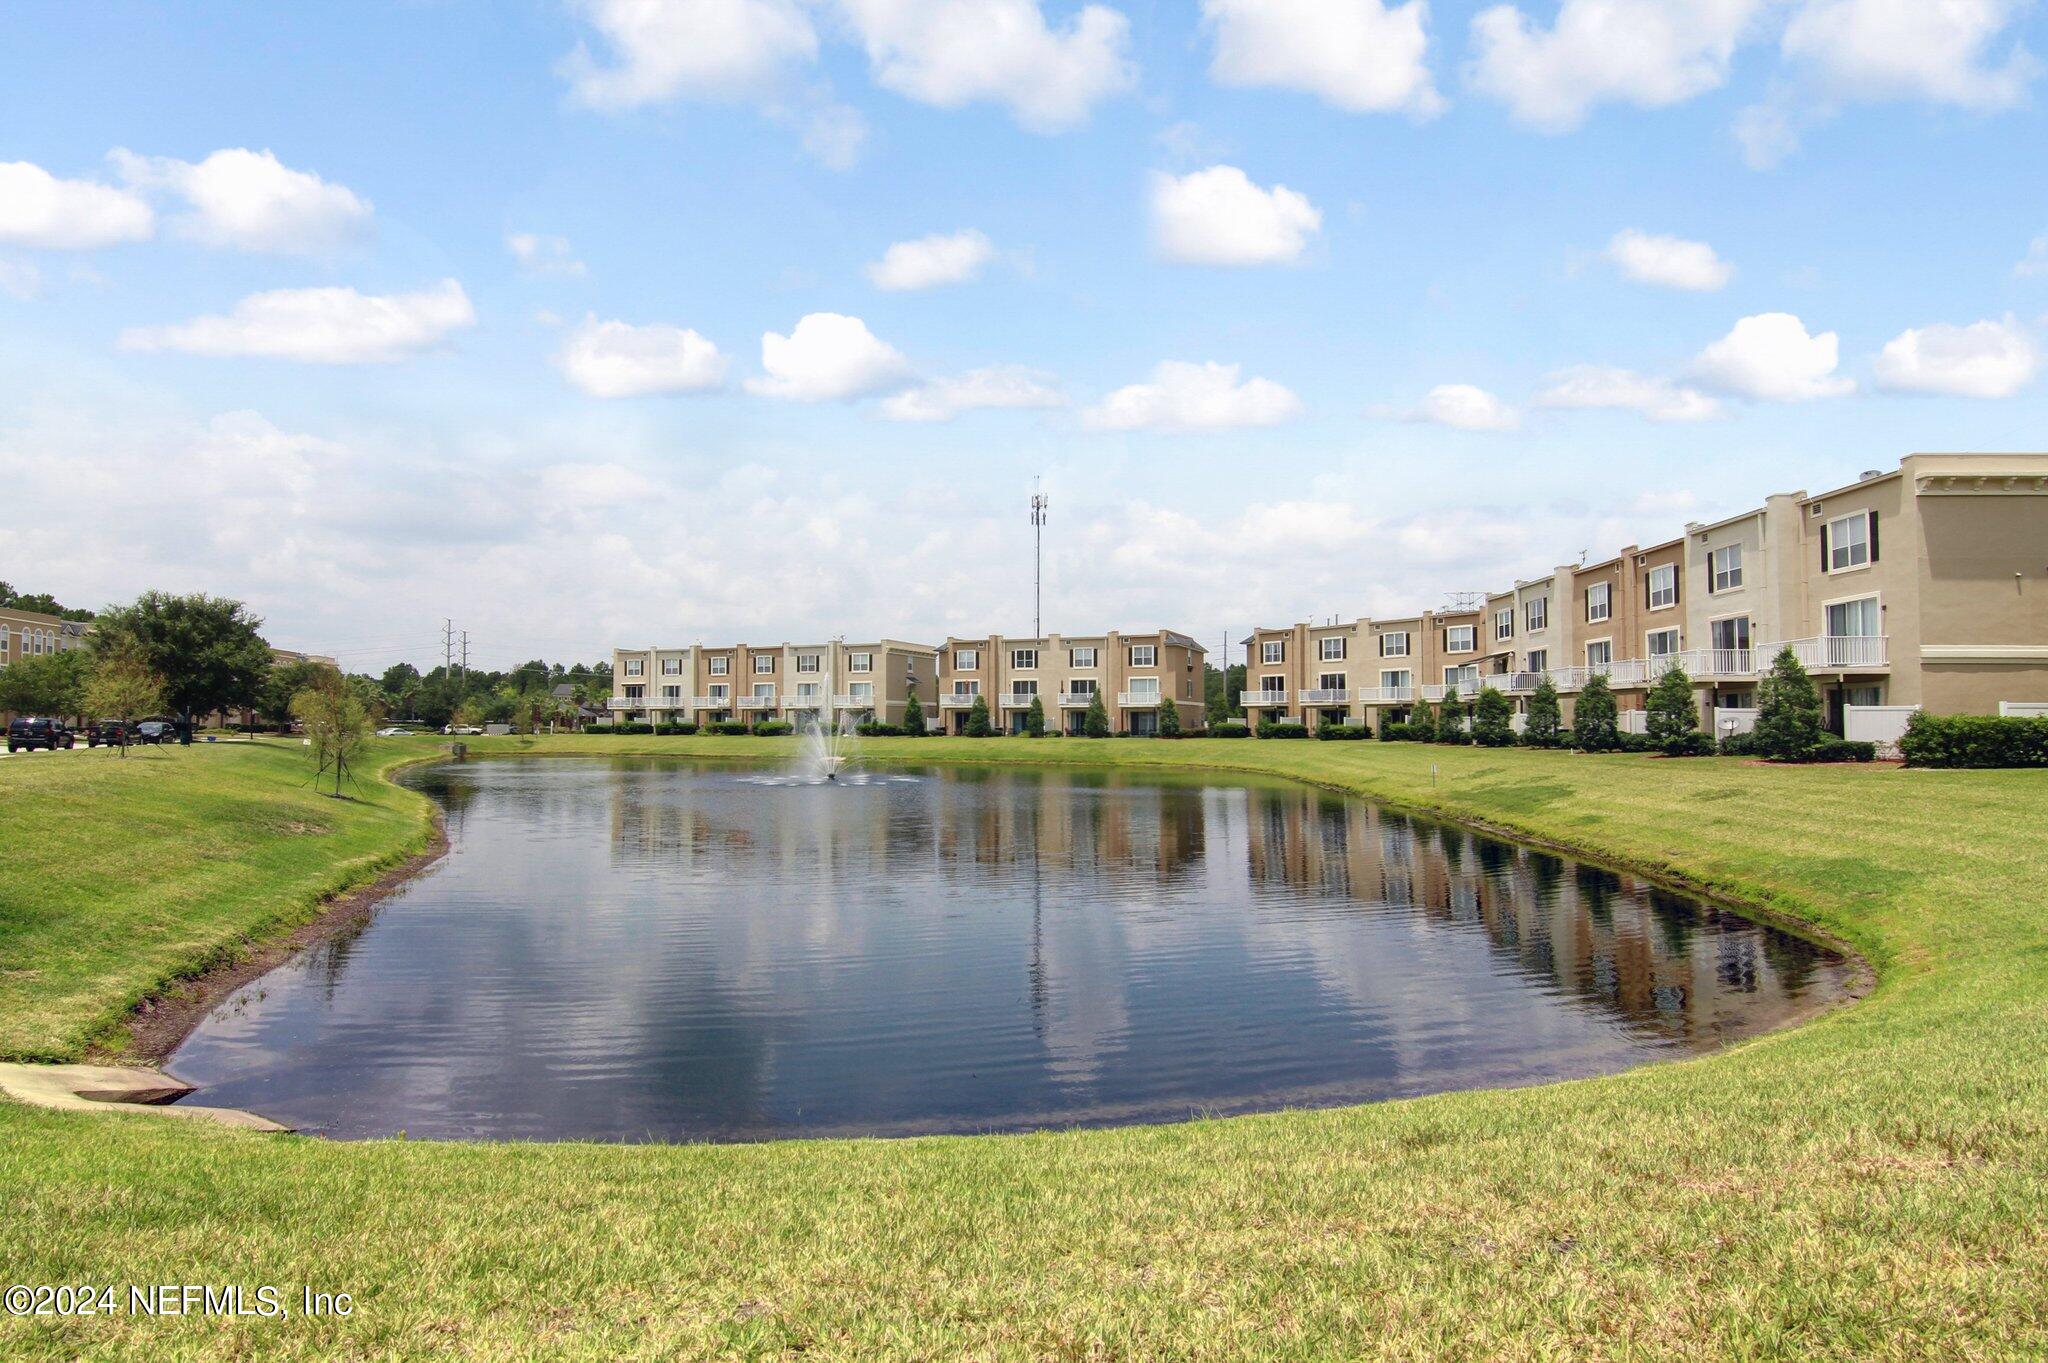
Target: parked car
x=462 y=729
x=395 y=731
x=27 y=732
x=156 y=731
x=112 y=732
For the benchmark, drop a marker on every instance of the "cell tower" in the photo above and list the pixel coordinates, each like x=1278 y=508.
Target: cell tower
x=1037 y=561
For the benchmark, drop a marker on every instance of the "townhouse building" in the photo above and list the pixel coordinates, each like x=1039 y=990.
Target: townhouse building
x=31 y=634
x=799 y=683
x=1136 y=674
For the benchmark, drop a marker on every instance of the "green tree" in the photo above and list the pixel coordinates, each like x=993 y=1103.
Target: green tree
x=1096 y=723
x=206 y=648
x=1673 y=713
x=1422 y=721
x=41 y=603
x=336 y=722
x=978 y=725
x=1034 y=718
x=1595 y=721
x=1546 y=717
x=1490 y=719
x=1450 y=718
x=46 y=683
x=122 y=687
x=281 y=686
x=1788 y=721
x=1169 y=717
x=913 y=715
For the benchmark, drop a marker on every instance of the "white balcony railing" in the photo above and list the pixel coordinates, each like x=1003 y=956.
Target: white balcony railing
x=1385 y=695
x=1076 y=700
x=1139 y=700
x=629 y=702
x=757 y=702
x=851 y=702
x=958 y=700
x=1018 y=700
x=1830 y=652
x=1326 y=696
x=1250 y=698
x=711 y=702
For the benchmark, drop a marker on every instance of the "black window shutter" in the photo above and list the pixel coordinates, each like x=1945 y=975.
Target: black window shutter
x=1873 y=537
x=1676 y=585
x=1823 y=547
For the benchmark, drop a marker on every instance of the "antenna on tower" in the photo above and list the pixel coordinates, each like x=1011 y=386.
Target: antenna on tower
x=1037 y=561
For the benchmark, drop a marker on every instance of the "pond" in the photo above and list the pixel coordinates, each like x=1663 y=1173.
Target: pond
x=655 y=949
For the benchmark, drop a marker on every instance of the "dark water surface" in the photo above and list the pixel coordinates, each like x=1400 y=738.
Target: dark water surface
x=651 y=949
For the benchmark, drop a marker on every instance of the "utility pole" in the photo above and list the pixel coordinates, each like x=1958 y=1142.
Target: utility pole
x=1037 y=560
x=465 y=657
x=447 y=647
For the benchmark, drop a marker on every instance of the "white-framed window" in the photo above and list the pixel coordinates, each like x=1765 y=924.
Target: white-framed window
x=1330 y=681
x=1600 y=653
x=861 y=693
x=1735 y=700
x=1537 y=612
x=1024 y=688
x=1599 y=602
x=1863 y=695
x=1461 y=638
x=671 y=667
x=1024 y=659
x=1394 y=644
x=1082 y=658
x=635 y=693
x=1504 y=623
x=1539 y=660
x=807 y=693
x=966 y=659
x=1083 y=686
x=1273 y=651
x=672 y=694
x=1144 y=655
x=1465 y=678
x=1273 y=686
x=1662 y=642
x=1145 y=686
x=721 y=666
x=808 y=662
x=764 y=690
x=1397 y=680
x=860 y=662
x=1725 y=568
x=636 y=667
x=720 y=690
x=1663 y=586
x=1729 y=635
x=1857 y=619
x=764 y=664
x=1848 y=541
x=1331 y=648
x=966 y=687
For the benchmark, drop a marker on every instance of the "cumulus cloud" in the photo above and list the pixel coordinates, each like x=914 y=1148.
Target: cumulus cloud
x=1183 y=397
x=319 y=326
x=929 y=262
x=951 y=53
x=1771 y=357
x=38 y=209
x=250 y=201
x=1601 y=386
x=1941 y=51
x=1219 y=217
x=1672 y=262
x=1360 y=55
x=1002 y=385
x=827 y=357
x=1649 y=53
x=619 y=360
x=1981 y=360
x=1465 y=407
x=537 y=254
x=688 y=49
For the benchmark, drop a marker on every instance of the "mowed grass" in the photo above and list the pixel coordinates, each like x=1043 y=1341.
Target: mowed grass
x=1871 y=1185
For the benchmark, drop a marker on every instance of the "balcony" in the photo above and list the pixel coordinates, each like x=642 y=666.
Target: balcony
x=1384 y=695
x=1138 y=700
x=1017 y=700
x=711 y=702
x=756 y=703
x=1324 y=697
x=1831 y=652
x=1247 y=699
x=959 y=700
x=815 y=701
x=1076 y=700
x=628 y=703
x=840 y=702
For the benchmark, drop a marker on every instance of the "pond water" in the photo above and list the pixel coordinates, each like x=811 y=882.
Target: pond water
x=653 y=949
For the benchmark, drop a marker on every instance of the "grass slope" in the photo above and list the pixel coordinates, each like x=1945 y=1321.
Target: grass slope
x=1872 y=1185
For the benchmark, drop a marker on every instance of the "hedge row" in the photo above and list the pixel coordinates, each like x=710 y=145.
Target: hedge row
x=1974 y=741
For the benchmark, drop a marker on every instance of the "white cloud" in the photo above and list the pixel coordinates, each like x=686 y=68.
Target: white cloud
x=1981 y=360
x=250 y=201
x=538 y=254
x=20 y=279
x=38 y=209
x=1771 y=357
x=1184 y=397
x=1219 y=217
x=1600 y=386
x=1936 y=50
x=928 y=262
x=1649 y=53
x=826 y=357
x=689 y=49
x=319 y=326
x=1359 y=55
x=619 y=360
x=952 y=53
x=2035 y=261
x=1002 y=385
x=1672 y=262
x=1465 y=407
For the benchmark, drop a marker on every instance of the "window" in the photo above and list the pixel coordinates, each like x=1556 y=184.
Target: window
x=764 y=690
x=966 y=688
x=1725 y=564
x=1465 y=678
x=1144 y=655
x=1599 y=601
x=1735 y=700
x=1730 y=635
x=1273 y=651
x=671 y=667
x=1397 y=681
x=1663 y=585
x=807 y=693
x=1856 y=619
x=635 y=667
x=721 y=666
x=1024 y=659
x=1024 y=688
x=1539 y=660
x=1145 y=686
x=1863 y=695
x=1273 y=686
x=966 y=659
x=1461 y=638
x=764 y=664
x=861 y=693
x=1600 y=653
x=1663 y=642
x=1332 y=648
x=634 y=693
x=1504 y=623
x=807 y=662
x=1849 y=542
x=1083 y=658
x=1394 y=644
x=1082 y=686
x=719 y=690
x=860 y=662
x=1538 y=613
x=1330 y=681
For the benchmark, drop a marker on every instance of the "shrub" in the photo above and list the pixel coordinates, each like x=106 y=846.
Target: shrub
x=597 y=728
x=979 y=725
x=728 y=726
x=773 y=728
x=1450 y=718
x=1096 y=723
x=1832 y=749
x=1282 y=729
x=1787 y=710
x=1169 y=718
x=1739 y=745
x=1490 y=720
x=1975 y=741
x=1034 y=718
x=1594 y=726
x=1395 y=731
x=1673 y=713
x=1230 y=729
x=632 y=727
x=1342 y=732
x=1546 y=717
x=869 y=728
x=675 y=730
x=1694 y=744
x=913 y=716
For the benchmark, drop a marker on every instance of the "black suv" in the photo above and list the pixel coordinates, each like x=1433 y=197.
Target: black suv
x=39 y=733
x=112 y=732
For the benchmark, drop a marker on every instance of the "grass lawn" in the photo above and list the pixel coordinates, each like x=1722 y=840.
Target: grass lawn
x=1874 y=1184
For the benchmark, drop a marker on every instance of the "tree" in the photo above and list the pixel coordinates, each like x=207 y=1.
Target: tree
x=1545 y=716
x=913 y=715
x=206 y=648
x=1095 y=723
x=1674 y=715
x=978 y=725
x=46 y=683
x=1450 y=718
x=1787 y=710
x=1490 y=719
x=1034 y=718
x=41 y=603
x=122 y=687
x=1422 y=722
x=1595 y=722
x=1169 y=717
x=337 y=725
x=281 y=686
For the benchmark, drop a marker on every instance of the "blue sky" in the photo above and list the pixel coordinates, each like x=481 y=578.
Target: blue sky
x=1498 y=283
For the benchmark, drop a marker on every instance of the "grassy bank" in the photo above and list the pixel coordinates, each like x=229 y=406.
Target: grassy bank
x=1872 y=1185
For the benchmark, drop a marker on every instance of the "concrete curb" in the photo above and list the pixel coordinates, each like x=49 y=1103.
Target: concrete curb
x=116 y=1088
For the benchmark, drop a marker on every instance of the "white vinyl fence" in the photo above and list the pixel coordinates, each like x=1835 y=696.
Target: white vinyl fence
x=1634 y=721
x=2023 y=709
x=1729 y=719
x=1883 y=725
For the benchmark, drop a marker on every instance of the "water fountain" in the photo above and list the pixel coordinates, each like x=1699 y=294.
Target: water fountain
x=827 y=747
